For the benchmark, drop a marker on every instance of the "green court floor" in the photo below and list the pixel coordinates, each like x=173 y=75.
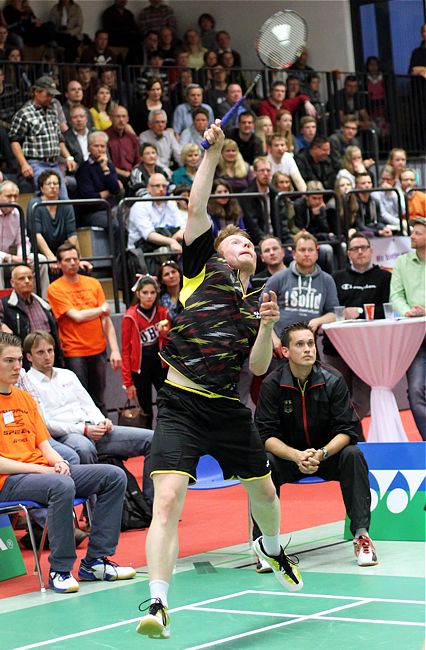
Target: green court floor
x=231 y=608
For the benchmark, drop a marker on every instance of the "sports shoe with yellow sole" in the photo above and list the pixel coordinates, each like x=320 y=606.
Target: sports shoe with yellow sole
x=155 y=624
x=284 y=568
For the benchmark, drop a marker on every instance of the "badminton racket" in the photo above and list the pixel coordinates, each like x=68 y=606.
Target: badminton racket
x=279 y=42
x=281 y=39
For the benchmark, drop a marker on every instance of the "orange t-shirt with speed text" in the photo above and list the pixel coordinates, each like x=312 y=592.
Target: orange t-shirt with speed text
x=77 y=339
x=21 y=429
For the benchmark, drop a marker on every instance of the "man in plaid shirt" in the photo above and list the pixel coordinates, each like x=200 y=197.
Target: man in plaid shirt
x=35 y=135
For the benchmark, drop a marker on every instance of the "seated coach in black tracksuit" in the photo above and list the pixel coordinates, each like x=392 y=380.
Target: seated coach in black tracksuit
x=309 y=427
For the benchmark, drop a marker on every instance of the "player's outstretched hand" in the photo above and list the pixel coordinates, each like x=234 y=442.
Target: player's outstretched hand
x=214 y=136
x=269 y=310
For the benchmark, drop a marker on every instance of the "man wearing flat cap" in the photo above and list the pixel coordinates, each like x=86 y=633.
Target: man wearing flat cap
x=35 y=136
x=407 y=295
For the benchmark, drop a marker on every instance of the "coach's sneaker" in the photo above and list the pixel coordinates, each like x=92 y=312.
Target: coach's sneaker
x=155 y=624
x=365 y=552
x=285 y=569
x=262 y=566
x=104 y=569
x=63 y=582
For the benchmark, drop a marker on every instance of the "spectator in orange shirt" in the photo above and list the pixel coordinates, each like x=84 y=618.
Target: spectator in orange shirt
x=82 y=313
x=31 y=469
x=416 y=201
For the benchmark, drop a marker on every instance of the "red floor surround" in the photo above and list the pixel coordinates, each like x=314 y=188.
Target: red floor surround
x=216 y=519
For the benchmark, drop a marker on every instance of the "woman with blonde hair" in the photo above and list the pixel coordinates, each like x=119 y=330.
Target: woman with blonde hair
x=192 y=42
x=233 y=168
x=283 y=125
x=263 y=127
x=190 y=157
x=398 y=160
x=352 y=164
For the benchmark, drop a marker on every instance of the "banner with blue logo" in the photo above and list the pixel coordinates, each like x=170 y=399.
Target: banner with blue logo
x=397 y=474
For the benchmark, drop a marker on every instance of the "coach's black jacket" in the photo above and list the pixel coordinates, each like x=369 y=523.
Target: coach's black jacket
x=310 y=418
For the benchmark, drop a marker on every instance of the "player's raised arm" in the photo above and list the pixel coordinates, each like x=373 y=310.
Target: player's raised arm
x=198 y=221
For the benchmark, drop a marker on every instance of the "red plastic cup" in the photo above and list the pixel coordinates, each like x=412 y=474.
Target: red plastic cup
x=369 y=310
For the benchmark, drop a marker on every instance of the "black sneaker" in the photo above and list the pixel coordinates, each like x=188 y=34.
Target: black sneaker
x=155 y=624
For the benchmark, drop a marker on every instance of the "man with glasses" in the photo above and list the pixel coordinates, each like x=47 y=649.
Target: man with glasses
x=154 y=224
x=164 y=140
x=361 y=282
x=23 y=311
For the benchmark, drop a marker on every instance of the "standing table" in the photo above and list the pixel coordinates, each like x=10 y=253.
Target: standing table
x=380 y=352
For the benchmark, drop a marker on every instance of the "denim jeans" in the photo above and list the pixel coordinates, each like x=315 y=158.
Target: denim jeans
x=91 y=371
x=416 y=378
x=108 y=483
x=40 y=166
x=39 y=516
x=121 y=442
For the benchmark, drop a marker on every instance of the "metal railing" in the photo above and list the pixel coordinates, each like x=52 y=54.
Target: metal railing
x=22 y=232
x=337 y=243
x=111 y=257
x=346 y=198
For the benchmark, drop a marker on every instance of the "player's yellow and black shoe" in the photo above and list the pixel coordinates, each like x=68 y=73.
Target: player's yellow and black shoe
x=283 y=566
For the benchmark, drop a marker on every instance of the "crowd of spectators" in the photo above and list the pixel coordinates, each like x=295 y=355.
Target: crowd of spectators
x=84 y=140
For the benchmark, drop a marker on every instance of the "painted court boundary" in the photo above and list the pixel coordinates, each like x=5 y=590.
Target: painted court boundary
x=323 y=615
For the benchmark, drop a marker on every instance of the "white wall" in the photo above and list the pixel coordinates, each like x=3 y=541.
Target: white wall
x=329 y=24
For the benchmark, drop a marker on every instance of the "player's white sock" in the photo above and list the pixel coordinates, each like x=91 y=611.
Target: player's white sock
x=159 y=589
x=271 y=544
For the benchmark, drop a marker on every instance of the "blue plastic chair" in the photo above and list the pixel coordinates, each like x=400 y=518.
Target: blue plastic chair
x=210 y=475
x=25 y=506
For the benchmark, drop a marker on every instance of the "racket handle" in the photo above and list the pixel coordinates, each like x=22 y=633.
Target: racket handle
x=225 y=119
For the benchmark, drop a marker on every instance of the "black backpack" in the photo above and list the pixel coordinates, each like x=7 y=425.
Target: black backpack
x=136 y=511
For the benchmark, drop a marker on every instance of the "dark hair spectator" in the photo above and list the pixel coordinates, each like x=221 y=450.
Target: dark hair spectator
x=224 y=211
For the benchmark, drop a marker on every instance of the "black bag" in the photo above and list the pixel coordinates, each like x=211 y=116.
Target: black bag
x=136 y=511
x=133 y=416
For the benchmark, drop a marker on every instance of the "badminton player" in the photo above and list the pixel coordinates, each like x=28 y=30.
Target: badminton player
x=219 y=326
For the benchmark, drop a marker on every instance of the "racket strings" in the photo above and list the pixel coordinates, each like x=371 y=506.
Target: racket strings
x=281 y=39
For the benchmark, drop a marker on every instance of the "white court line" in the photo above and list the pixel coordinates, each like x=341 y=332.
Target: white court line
x=281 y=615
x=111 y=626
x=337 y=597
x=245 y=592
x=278 y=625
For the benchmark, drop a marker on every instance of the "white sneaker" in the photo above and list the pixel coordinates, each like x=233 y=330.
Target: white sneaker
x=364 y=551
x=63 y=582
x=155 y=624
x=262 y=566
x=104 y=569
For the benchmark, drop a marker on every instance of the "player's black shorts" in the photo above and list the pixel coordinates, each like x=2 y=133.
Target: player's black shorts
x=191 y=425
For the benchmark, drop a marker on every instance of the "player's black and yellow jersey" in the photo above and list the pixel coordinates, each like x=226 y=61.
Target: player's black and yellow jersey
x=218 y=324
